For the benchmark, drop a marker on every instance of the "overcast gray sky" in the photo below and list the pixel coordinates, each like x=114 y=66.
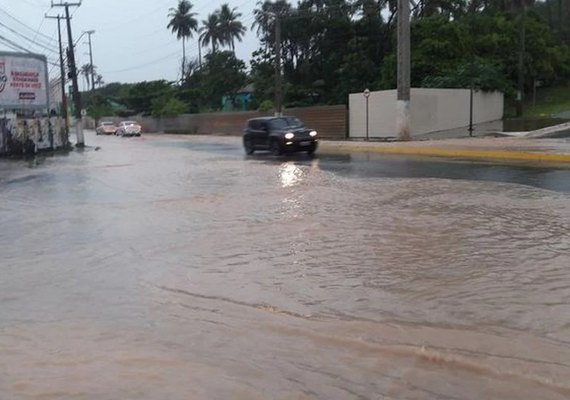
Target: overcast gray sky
x=131 y=42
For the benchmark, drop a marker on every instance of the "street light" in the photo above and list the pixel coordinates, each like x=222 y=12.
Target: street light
x=91 y=32
x=366 y=95
x=472 y=76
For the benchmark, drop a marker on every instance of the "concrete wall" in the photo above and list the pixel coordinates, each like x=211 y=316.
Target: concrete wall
x=29 y=135
x=329 y=121
x=432 y=110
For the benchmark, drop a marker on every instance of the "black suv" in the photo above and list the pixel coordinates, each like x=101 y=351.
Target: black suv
x=279 y=134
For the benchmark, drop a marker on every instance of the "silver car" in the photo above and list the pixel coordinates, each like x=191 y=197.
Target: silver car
x=106 y=128
x=129 y=128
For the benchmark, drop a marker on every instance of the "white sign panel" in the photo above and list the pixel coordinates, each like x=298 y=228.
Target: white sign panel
x=23 y=81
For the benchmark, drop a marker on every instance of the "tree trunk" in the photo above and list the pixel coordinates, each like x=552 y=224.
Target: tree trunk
x=549 y=14
x=183 y=58
x=560 y=18
x=199 y=53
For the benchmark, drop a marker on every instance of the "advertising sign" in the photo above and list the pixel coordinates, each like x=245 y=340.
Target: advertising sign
x=23 y=81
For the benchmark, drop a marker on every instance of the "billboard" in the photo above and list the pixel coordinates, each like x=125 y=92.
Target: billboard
x=23 y=81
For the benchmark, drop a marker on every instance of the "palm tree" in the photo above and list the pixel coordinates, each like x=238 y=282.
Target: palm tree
x=86 y=71
x=99 y=80
x=265 y=14
x=210 y=32
x=182 y=23
x=231 y=28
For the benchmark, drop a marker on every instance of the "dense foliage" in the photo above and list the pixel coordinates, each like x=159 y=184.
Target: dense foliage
x=331 y=48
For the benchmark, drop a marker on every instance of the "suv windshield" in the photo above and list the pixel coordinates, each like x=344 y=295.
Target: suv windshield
x=286 y=122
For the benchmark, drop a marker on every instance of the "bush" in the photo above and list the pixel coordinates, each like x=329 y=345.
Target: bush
x=266 y=106
x=162 y=107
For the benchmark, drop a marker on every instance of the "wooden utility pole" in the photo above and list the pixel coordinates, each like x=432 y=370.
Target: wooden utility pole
x=278 y=77
x=73 y=75
x=62 y=71
x=403 y=105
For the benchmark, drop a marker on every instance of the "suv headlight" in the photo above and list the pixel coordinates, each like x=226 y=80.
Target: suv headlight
x=313 y=133
x=289 y=135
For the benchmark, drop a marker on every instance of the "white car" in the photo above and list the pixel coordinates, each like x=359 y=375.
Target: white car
x=106 y=128
x=129 y=128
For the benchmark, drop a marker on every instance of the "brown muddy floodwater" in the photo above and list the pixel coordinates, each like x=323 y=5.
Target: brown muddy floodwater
x=175 y=268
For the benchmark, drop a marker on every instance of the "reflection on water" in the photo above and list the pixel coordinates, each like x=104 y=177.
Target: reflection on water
x=164 y=272
x=290 y=174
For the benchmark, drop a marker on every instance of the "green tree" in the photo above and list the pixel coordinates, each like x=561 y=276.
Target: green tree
x=87 y=70
x=262 y=75
x=211 y=32
x=139 y=97
x=231 y=28
x=222 y=75
x=167 y=106
x=183 y=24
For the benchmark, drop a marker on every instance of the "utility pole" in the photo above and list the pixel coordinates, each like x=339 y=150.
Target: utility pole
x=91 y=61
x=73 y=73
x=522 y=44
x=63 y=91
x=403 y=104
x=278 y=78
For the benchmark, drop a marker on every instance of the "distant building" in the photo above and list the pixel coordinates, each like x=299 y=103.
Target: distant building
x=239 y=102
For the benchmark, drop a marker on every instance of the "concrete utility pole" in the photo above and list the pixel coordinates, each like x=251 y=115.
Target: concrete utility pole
x=73 y=73
x=403 y=105
x=278 y=78
x=91 y=61
x=62 y=70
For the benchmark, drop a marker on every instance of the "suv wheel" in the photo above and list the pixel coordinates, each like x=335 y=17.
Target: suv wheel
x=248 y=146
x=275 y=148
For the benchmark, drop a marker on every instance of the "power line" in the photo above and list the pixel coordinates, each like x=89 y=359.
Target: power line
x=12 y=46
x=16 y=45
x=52 y=40
x=142 y=65
x=28 y=39
x=39 y=27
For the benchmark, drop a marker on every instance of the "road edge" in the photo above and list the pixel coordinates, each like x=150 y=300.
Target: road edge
x=474 y=154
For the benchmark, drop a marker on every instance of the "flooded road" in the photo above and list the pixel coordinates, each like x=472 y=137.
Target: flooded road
x=168 y=267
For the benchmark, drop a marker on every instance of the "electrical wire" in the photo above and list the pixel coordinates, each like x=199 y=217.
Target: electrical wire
x=45 y=37
x=15 y=44
x=142 y=65
x=51 y=50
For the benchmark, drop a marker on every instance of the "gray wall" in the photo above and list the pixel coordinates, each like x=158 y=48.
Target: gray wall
x=432 y=110
x=44 y=133
x=329 y=121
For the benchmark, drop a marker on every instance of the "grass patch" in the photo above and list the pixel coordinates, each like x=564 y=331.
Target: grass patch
x=548 y=101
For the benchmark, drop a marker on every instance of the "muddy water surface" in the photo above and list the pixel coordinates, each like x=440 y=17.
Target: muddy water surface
x=175 y=268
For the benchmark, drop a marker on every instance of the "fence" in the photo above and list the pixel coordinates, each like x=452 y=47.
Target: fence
x=330 y=121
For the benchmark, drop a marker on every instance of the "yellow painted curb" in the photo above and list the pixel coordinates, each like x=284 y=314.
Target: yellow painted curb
x=458 y=153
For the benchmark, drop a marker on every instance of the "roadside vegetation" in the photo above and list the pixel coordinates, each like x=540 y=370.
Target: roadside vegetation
x=549 y=102
x=331 y=48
